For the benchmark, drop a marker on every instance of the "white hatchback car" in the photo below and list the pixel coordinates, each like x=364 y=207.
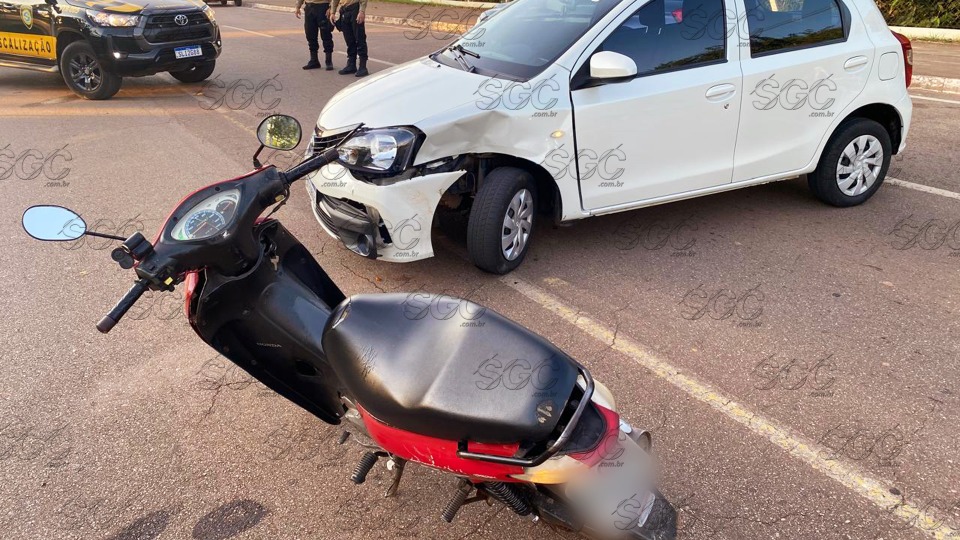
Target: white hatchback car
x=576 y=108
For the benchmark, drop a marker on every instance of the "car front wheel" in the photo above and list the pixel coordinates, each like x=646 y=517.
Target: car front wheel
x=195 y=74
x=84 y=75
x=501 y=220
x=854 y=164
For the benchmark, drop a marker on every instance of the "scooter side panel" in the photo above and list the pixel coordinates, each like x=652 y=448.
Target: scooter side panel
x=440 y=453
x=269 y=322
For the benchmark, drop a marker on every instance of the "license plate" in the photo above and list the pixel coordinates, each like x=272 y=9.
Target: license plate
x=188 y=52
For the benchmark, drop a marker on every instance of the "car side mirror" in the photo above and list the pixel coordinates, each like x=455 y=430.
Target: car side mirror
x=609 y=65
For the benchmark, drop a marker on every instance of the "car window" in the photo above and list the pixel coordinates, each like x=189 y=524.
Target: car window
x=504 y=45
x=780 y=25
x=666 y=35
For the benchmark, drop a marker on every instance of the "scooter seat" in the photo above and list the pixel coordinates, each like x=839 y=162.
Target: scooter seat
x=448 y=368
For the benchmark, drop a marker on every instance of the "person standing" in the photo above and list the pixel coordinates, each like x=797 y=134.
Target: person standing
x=354 y=33
x=316 y=19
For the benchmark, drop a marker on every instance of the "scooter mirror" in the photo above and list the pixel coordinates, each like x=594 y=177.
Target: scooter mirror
x=280 y=132
x=53 y=223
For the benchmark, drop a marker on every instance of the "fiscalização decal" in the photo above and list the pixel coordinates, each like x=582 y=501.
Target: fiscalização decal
x=28 y=45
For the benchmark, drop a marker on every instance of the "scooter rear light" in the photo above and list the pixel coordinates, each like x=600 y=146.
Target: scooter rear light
x=678 y=15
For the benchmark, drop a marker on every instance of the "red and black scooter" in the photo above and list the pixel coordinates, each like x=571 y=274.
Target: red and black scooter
x=468 y=392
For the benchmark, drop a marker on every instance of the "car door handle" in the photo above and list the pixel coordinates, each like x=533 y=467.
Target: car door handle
x=721 y=92
x=855 y=63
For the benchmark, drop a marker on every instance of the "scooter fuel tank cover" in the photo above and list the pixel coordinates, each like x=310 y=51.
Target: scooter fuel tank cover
x=448 y=368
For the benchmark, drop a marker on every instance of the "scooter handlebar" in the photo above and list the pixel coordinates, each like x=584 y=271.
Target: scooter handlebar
x=312 y=164
x=107 y=323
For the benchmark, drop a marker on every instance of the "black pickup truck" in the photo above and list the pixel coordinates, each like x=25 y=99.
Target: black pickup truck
x=95 y=43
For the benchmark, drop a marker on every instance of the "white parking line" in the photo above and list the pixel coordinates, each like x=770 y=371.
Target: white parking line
x=877 y=491
x=923 y=188
x=247 y=31
x=935 y=99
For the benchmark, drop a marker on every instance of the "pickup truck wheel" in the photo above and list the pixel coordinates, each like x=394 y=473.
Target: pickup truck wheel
x=501 y=220
x=84 y=75
x=195 y=74
x=854 y=164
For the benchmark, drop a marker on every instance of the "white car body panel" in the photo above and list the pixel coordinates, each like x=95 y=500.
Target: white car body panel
x=809 y=90
x=408 y=217
x=653 y=154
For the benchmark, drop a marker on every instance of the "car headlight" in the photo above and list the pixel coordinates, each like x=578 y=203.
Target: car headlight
x=379 y=150
x=208 y=12
x=102 y=18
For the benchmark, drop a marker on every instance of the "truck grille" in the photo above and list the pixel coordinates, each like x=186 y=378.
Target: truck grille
x=162 y=28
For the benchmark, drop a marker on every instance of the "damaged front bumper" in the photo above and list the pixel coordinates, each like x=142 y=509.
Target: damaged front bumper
x=388 y=222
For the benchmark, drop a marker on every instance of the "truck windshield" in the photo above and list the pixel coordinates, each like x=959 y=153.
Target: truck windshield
x=526 y=37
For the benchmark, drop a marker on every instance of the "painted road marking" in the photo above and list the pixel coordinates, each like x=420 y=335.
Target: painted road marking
x=923 y=188
x=935 y=99
x=876 y=491
x=247 y=31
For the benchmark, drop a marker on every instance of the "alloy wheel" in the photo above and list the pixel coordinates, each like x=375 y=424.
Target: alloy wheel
x=86 y=72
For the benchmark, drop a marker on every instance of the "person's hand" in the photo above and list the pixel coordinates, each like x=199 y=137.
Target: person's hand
x=360 y=18
x=297 y=13
x=332 y=16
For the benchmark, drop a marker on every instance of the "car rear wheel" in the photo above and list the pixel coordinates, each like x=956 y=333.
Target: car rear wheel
x=501 y=220
x=854 y=164
x=84 y=75
x=197 y=73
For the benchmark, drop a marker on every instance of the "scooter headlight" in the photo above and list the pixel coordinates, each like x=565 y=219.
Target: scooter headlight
x=385 y=151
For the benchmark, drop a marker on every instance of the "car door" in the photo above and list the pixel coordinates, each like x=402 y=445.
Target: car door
x=26 y=33
x=807 y=63
x=672 y=129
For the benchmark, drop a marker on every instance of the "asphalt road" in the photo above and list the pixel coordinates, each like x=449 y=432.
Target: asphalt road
x=145 y=433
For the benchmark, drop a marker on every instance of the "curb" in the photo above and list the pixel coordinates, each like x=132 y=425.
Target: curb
x=271 y=7
x=938 y=34
x=936 y=84
x=452 y=28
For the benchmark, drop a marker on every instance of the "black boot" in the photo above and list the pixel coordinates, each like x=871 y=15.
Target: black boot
x=329 y=61
x=351 y=67
x=314 y=62
x=362 y=72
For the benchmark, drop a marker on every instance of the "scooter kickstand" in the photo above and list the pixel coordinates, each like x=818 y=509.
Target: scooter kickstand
x=396 y=465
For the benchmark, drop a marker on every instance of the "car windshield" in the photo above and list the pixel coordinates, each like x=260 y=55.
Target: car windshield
x=504 y=45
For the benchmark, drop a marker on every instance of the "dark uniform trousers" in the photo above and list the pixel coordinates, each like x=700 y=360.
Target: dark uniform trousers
x=315 y=20
x=354 y=34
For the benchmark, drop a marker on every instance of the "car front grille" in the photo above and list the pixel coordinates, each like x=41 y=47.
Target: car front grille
x=162 y=28
x=324 y=139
